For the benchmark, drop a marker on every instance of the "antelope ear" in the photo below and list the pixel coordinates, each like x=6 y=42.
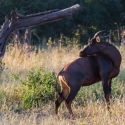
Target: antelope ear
x=97 y=39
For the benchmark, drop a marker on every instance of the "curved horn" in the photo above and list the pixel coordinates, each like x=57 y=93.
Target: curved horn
x=98 y=33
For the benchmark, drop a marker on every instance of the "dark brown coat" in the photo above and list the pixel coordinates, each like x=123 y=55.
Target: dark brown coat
x=100 y=65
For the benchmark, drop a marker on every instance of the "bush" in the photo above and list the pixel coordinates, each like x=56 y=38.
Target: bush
x=37 y=87
x=2 y=96
x=95 y=92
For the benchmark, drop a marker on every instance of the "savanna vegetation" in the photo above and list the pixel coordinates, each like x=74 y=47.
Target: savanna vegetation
x=26 y=78
x=27 y=92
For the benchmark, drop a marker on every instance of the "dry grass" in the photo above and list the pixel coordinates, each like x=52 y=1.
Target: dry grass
x=93 y=113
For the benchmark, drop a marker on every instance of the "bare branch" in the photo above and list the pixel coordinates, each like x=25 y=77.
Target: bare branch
x=19 y=21
x=36 y=14
x=4 y=27
x=102 y=37
x=108 y=36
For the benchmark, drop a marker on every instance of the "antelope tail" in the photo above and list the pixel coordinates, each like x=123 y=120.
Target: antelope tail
x=56 y=82
x=57 y=93
x=55 y=85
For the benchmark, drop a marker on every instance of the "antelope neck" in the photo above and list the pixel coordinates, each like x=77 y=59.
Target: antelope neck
x=114 y=55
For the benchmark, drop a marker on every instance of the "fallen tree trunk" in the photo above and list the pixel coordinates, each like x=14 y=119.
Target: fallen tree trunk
x=19 y=21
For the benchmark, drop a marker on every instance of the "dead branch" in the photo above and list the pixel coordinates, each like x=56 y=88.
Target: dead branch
x=19 y=21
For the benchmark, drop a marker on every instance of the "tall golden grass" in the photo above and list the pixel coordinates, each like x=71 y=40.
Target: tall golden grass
x=92 y=113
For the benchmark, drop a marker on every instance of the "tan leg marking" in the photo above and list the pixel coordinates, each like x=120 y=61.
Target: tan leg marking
x=64 y=86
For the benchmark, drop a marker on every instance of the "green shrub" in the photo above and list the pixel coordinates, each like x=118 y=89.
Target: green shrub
x=95 y=92
x=37 y=87
x=2 y=96
x=92 y=92
x=121 y=76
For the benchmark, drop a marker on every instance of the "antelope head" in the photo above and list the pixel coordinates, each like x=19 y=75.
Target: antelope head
x=95 y=45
